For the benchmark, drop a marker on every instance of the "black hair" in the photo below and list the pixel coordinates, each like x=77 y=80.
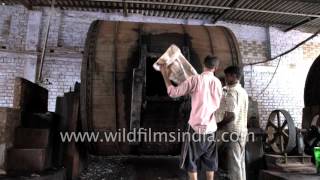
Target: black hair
x=233 y=70
x=211 y=62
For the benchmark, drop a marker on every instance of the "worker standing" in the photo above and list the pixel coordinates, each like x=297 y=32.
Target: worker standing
x=233 y=126
x=206 y=91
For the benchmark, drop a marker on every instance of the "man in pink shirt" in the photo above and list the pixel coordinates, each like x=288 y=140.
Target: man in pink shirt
x=205 y=91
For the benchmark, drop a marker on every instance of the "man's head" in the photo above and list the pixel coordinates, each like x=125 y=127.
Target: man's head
x=233 y=74
x=211 y=63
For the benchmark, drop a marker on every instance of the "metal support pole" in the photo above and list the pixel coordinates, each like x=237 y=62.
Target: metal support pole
x=125 y=8
x=43 y=52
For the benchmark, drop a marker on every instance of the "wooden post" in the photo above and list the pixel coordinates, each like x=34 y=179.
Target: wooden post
x=39 y=79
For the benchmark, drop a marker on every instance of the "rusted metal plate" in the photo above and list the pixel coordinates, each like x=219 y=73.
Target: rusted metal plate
x=312 y=86
x=73 y=153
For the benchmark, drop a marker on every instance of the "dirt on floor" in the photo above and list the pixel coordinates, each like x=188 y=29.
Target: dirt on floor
x=134 y=168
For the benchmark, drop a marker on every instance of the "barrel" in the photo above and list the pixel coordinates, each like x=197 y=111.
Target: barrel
x=117 y=51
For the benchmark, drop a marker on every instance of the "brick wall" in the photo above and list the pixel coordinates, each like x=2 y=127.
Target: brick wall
x=286 y=89
x=9 y=69
x=13 y=22
x=311 y=51
x=12 y=65
x=23 y=32
x=61 y=74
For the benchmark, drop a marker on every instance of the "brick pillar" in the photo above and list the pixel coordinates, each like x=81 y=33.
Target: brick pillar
x=33 y=30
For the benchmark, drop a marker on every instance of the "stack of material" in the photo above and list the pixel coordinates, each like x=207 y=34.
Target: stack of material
x=31 y=150
x=176 y=65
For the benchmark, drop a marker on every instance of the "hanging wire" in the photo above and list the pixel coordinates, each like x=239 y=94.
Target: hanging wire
x=286 y=52
x=279 y=57
x=273 y=75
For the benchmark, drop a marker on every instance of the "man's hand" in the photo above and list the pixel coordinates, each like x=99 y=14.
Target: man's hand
x=228 y=117
x=162 y=68
x=165 y=75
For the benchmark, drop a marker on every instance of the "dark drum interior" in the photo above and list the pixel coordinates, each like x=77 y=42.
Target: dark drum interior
x=161 y=113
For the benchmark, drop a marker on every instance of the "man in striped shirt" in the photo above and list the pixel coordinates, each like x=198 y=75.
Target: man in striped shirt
x=233 y=126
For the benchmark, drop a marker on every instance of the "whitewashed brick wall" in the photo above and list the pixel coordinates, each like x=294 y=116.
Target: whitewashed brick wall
x=13 y=65
x=61 y=73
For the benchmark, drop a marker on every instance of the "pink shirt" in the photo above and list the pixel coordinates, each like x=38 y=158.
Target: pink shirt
x=206 y=91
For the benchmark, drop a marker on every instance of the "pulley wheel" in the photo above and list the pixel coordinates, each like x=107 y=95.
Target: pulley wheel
x=281 y=132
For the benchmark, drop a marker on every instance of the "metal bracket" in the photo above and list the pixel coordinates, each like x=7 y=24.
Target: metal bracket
x=138 y=83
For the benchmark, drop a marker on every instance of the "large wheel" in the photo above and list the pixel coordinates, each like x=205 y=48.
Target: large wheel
x=281 y=132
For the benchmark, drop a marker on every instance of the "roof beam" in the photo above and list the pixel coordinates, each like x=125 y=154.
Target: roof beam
x=208 y=7
x=300 y=23
x=136 y=8
x=306 y=1
x=26 y=3
x=232 y=4
x=125 y=8
x=259 y=23
x=214 y=7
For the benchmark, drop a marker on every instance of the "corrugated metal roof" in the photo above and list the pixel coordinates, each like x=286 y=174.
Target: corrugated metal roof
x=286 y=14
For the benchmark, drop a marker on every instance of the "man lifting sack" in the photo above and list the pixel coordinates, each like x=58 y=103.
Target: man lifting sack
x=205 y=90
